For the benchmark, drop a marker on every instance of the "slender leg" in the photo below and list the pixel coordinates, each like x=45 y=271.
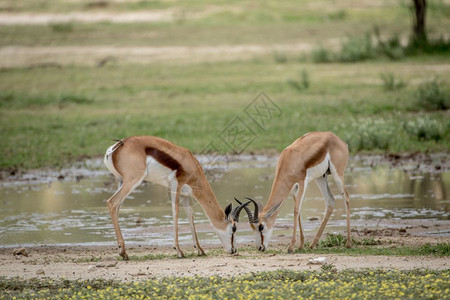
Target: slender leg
x=190 y=213
x=302 y=237
x=175 y=198
x=114 y=203
x=339 y=179
x=348 y=244
x=329 y=199
x=297 y=218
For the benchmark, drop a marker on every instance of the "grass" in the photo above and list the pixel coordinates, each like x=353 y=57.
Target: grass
x=332 y=244
x=327 y=283
x=53 y=112
x=335 y=244
x=390 y=83
x=51 y=117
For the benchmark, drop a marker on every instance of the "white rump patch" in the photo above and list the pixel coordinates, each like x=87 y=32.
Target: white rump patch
x=109 y=162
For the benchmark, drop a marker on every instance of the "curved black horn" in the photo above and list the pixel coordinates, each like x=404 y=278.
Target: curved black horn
x=237 y=210
x=255 y=214
x=249 y=213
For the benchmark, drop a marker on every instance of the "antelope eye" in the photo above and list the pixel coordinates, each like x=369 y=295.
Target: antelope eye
x=234 y=229
x=261 y=227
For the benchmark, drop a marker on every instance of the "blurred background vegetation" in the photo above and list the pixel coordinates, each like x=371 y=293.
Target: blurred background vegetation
x=76 y=74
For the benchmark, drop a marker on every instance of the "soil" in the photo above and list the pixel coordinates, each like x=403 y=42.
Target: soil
x=95 y=262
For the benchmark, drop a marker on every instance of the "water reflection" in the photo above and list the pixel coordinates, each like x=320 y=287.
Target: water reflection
x=74 y=211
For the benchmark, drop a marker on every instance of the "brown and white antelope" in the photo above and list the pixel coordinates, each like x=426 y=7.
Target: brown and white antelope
x=147 y=158
x=313 y=156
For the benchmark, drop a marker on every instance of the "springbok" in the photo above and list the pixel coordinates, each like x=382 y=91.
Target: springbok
x=147 y=158
x=313 y=156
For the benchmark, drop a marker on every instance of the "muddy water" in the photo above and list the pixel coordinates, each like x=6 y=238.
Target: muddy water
x=38 y=208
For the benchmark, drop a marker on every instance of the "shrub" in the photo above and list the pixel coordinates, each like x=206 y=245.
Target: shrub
x=368 y=134
x=333 y=240
x=390 y=83
x=356 y=49
x=321 y=55
x=280 y=57
x=302 y=84
x=431 y=96
x=61 y=27
x=425 y=129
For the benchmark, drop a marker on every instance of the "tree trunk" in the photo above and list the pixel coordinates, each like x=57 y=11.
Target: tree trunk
x=420 y=8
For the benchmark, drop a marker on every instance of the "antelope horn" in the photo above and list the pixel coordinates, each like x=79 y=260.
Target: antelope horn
x=249 y=213
x=237 y=210
x=258 y=207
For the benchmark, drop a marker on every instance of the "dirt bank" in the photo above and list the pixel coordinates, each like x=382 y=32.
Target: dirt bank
x=73 y=262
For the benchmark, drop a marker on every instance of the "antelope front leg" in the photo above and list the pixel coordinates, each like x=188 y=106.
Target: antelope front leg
x=175 y=197
x=348 y=244
x=302 y=236
x=190 y=213
x=297 y=219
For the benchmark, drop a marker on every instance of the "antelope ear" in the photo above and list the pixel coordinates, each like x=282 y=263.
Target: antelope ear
x=273 y=209
x=228 y=210
x=260 y=206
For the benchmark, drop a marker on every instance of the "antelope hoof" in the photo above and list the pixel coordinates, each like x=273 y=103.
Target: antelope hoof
x=200 y=252
x=348 y=245
x=290 y=251
x=124 y=256
x=262 y=248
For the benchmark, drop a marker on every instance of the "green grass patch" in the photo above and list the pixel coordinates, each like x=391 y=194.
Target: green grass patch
x=335 y=244
x=52 y=113
x=364 y=284
x=51 y=117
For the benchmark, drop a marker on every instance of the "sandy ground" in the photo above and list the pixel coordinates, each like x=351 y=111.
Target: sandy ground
x=57 y=56
x=74 y=262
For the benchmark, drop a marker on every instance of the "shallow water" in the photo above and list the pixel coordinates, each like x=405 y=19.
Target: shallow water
x=38 y=209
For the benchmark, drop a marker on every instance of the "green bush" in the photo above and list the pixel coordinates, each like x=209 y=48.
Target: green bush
x=432 y=96
x=356 y=49
x=302 y=83
x=368 y=134
x=425 y=129
x=321 y=55
x=280 y=57
x=62 y=27
x=390 y=83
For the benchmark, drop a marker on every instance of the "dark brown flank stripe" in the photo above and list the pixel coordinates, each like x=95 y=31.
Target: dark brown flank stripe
x=165 y=159
x=318 y=157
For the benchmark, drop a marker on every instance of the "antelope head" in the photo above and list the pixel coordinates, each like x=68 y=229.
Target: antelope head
x=261 y=223
x=227 y=237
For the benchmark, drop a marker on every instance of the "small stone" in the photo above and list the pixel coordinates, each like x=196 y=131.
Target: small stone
x=139 y=221
x=91 y=268
x=20 y=251
x=313 y=219
x=317 y=261
x=40 y=272
x=106 y=264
